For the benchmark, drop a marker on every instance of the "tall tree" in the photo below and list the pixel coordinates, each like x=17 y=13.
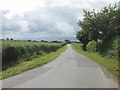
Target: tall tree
x=102 y=25
x=83 y=37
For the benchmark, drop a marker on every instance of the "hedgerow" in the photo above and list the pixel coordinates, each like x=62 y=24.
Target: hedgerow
x=14 y=52
x=92 y=46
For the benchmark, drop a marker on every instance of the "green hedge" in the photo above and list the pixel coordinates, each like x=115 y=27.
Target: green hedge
x=14 y=52
x=108 y=48
x=92 y=46
x=113 y=50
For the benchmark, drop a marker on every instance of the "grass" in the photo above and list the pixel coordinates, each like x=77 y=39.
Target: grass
x=109 y=63
x=27 y=65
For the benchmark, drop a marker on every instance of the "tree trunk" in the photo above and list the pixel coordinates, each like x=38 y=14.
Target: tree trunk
x=84 y=47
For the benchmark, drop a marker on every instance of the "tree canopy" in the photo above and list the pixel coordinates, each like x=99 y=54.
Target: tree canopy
x=102 y=25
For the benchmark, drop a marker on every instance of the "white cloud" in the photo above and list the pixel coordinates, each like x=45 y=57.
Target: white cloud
x=29 y=5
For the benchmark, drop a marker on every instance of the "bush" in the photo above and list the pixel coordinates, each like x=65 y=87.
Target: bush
x=110 y=48
x=113 y=49
x=92 y=46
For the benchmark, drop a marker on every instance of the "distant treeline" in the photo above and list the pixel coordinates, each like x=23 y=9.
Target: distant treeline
x=101 y=31
x=14 y=52
x=54 y=41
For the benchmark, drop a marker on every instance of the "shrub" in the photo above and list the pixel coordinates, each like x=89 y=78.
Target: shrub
x=92 y=46
x=110 y=48
x=113 y=49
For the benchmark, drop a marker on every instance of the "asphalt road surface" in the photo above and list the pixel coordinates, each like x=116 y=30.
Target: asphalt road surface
x=69 y=70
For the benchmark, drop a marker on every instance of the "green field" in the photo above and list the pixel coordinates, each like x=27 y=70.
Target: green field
x=109 y=63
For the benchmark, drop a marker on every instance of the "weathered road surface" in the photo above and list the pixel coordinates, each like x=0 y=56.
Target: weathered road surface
x=69 y=70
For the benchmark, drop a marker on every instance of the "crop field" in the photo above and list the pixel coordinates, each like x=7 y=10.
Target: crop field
x=15 y=52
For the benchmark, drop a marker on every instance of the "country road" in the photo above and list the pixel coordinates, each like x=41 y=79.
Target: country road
x=69 y=70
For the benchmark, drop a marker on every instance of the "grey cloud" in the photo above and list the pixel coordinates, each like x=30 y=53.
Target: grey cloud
x=10 y=25
x=40 y=21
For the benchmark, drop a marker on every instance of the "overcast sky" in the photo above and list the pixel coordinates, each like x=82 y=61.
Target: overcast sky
x=44 y=19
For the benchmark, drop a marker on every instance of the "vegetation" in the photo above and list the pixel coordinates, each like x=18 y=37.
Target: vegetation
x=92 y=46
x=15 y=52
x=100 y=31
x=99 y=26
x=27 y=65
x=83 y=37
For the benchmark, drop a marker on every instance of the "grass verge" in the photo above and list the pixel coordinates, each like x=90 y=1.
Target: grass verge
x=109 y=63
x=27 y=65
